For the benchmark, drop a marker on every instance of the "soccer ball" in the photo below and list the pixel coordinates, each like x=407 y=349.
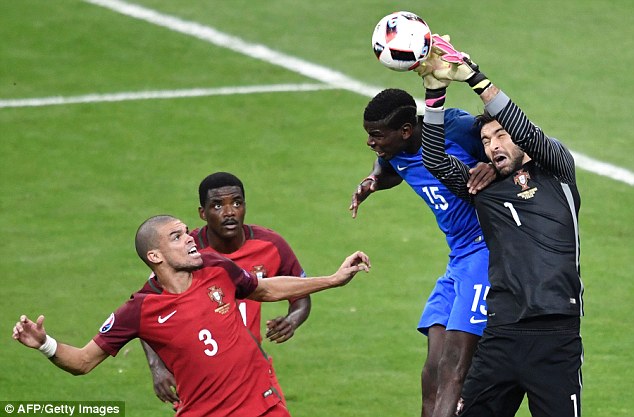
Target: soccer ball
x=401 y=41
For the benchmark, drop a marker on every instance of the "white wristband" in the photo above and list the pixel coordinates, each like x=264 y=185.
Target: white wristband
x=49 y=347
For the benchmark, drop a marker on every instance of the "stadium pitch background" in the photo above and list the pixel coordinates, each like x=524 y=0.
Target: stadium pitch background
x=126 y=117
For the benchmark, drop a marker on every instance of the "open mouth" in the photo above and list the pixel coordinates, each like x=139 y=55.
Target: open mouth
x=500 y=160
x=230 y=224
x=193 y=252
x=379 y=154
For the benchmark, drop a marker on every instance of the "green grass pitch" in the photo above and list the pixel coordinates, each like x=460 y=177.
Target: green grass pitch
x=77 y=179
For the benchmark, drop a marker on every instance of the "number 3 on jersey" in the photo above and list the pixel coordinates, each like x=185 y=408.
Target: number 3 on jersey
x=205 y=336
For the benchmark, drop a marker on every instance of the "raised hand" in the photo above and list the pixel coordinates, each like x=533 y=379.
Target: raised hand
x=354 y=263
x=366 y=187
x=29 y=333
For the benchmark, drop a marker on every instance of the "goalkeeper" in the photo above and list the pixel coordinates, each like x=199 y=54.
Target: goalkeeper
x=529 y=217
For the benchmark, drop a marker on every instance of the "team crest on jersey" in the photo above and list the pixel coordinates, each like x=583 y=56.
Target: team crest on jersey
x=259 y=271
x=216 y=294
x=521 y=178
x=107 y=325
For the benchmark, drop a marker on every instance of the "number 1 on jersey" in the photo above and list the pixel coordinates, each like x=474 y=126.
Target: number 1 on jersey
x=242 y=306
x=513 y=213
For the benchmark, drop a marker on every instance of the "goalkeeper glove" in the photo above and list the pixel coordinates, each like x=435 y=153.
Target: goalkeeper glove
x=446 y=64
x=435 y=89
x=469 y=72
x=439 y=58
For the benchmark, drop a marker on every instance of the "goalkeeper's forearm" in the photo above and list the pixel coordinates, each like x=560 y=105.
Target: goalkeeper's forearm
x=489 y=94
x=479 y=83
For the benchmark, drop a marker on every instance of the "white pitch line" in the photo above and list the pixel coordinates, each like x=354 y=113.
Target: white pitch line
x=603 y=168
x=308 y=69
x=163 y=94
x=251 y=50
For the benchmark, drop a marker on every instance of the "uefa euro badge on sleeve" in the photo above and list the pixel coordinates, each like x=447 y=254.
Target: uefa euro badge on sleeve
x=107 y=325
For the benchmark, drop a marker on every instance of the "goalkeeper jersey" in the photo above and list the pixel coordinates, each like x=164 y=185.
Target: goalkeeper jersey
x=529 y=219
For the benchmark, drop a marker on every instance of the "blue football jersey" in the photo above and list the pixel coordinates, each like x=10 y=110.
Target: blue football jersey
x=455 y=217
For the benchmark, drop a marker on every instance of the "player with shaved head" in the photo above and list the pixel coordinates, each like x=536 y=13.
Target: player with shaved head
x=193 y=324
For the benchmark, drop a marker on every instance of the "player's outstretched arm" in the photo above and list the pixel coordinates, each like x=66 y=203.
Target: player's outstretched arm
x=452 y=172
x=381 y=178
x=550 y=153
x=366 y=187
x=285 y=287
x=77 y=361
x=282 y=328
x=162 y=378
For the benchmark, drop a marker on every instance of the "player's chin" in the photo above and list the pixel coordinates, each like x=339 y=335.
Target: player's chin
x=231 y=231
x=193 y=265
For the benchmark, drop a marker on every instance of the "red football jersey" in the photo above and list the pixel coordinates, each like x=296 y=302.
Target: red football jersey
x=266 y=254
x=200 y=336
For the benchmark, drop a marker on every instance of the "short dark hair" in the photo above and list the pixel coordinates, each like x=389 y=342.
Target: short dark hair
x=147 y=238
x=217 y=180
x=392 y=107
x=483 y=119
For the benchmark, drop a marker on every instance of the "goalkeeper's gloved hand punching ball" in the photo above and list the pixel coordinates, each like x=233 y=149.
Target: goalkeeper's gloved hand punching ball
x=446 y=64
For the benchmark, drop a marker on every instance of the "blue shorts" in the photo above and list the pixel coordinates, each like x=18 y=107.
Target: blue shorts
x=458 y=299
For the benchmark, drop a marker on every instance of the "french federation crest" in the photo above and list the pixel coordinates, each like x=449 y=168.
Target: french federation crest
x=521 y=178
x=216 y=294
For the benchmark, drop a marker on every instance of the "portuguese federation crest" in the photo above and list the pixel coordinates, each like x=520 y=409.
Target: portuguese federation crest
x=522 y=177
x=216 y=295
x=259 y=271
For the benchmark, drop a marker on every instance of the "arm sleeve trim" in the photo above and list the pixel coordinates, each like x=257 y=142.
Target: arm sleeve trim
x=498 y=103
x=434 y=116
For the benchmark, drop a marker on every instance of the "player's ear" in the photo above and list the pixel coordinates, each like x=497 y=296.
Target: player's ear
x=406 y=131
x=155 y=256
x=201 y=213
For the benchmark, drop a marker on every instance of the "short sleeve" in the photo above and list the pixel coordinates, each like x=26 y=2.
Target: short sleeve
x=121 y=326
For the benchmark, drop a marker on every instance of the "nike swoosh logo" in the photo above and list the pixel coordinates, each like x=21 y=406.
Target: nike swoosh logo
x=162 y=320
x=400 y=168
x=473 y=320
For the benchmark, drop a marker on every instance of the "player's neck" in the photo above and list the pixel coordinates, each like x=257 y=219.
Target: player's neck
x=174 y=282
